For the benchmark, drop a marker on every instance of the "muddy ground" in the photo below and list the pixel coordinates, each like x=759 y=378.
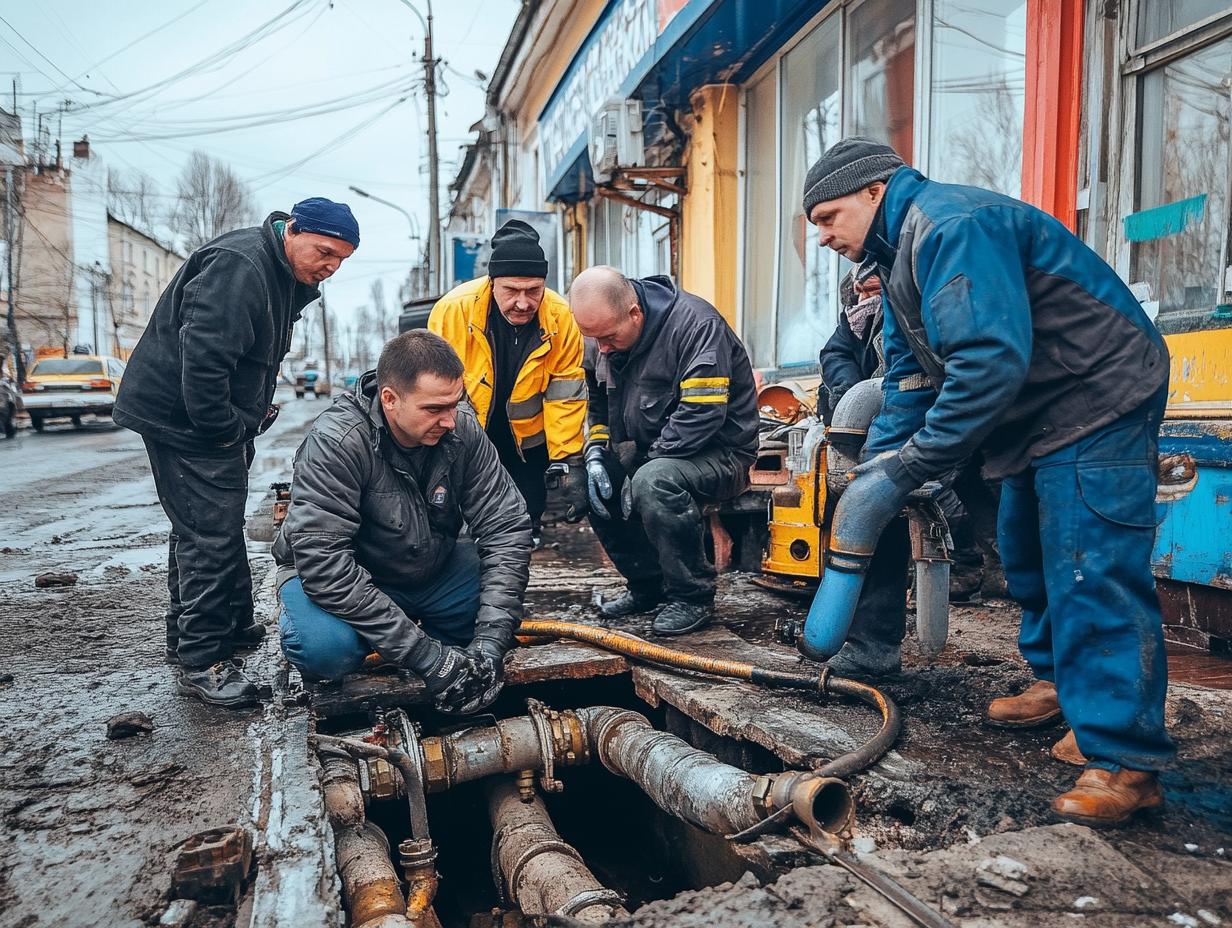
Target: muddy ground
x=954 y=782
x=89 y=826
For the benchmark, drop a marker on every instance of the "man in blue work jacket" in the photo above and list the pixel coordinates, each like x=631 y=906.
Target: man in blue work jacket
x=1034 y=351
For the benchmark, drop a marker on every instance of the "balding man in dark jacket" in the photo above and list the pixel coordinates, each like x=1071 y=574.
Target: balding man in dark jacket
x=673 y=425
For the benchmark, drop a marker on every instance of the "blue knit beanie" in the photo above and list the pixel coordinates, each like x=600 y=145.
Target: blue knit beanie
x=325 y=217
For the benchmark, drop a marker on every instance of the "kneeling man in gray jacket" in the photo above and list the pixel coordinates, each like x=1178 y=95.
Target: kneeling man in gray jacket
x=371 y=557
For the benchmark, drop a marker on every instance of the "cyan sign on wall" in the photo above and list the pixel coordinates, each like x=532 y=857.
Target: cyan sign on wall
x=622 y=37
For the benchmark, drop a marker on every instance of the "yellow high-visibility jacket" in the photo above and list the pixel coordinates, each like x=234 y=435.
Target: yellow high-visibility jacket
x=548 y=402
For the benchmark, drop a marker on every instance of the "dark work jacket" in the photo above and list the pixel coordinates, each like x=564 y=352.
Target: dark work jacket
x=1031 y=339
x=846 y=360
x=204 y=372
x=360 y=521
x=685 y=386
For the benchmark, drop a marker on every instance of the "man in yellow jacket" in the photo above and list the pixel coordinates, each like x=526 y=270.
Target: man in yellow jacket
x=523 y=357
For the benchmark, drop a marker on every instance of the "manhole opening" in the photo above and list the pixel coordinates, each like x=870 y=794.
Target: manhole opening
x=627 y=842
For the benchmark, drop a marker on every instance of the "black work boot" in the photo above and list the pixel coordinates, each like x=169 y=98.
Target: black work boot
x=867 y=660
x=222 y=684
x=629 y=602
x=677 y=618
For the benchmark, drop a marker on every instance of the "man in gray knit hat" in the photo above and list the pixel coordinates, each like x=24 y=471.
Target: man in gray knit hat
x=1005 y=334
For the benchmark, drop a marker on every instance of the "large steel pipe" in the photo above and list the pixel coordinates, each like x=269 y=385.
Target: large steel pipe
x=369 y=881
x=681 y=780
x=543 y=874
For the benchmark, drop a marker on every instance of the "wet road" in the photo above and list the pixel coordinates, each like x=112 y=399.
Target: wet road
x=82 y=499
x=89 y=827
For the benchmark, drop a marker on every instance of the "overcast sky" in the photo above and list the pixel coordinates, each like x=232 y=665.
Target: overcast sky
x=357 y=57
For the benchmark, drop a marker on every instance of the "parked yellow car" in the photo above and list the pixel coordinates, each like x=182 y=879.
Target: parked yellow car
x=71 y=387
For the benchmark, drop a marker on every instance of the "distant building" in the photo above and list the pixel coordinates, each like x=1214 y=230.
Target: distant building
x=141 y=268
x=84 y=278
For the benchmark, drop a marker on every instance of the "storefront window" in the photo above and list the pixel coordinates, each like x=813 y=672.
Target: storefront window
x=881 y=76
x=1160 y=18
x=976 y=107
x=760 y=194
x=1179 y=229
x=808 y=278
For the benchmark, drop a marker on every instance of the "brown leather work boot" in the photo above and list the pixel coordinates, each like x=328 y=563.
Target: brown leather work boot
x=1037 y=706
x=1066 y=751
x=1102 y=797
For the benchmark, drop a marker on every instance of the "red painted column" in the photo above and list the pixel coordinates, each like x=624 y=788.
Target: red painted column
x=1053 y=107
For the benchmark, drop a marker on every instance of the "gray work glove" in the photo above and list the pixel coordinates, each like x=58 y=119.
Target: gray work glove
x=603 y=469
x=888 y=468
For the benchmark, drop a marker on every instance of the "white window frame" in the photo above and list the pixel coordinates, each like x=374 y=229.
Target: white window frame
x=920 y=129
x=1136 y=62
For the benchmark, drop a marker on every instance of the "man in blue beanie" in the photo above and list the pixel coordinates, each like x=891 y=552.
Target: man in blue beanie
x=1005 y=334
x=198 y=388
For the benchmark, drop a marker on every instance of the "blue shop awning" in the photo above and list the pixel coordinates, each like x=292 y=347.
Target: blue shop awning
x=706 y=42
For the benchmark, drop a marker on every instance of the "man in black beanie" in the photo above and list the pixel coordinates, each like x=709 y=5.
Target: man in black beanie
x=1005 y=334
x=522 y=353
x=198 y=389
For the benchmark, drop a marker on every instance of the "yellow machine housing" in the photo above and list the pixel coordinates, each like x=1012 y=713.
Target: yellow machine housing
x=796 y=520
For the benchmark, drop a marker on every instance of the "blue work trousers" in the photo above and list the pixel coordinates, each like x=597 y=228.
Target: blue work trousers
x=325 y=647
x=1076 y=530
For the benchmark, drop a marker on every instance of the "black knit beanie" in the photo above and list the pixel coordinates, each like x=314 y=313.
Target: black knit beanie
x=516 y=252
x=846 y=167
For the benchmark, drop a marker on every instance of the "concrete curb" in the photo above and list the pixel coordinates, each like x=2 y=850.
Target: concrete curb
x=297 y=883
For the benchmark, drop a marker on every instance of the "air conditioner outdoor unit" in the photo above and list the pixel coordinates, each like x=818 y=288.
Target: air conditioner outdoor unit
x=616 y=138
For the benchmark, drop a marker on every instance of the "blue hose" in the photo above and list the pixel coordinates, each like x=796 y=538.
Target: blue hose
x=864 y=510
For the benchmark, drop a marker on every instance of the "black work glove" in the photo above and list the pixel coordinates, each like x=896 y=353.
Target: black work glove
x=271 y=415
x=604 y=474
x=478 y=689
x=576 y=489
x=440 y=666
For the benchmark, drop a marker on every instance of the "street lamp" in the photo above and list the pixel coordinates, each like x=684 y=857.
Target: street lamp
x=409 y=217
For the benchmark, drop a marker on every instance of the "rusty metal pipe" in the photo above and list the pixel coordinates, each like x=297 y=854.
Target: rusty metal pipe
x=344 y=802
x=369 y=881
x=543 y=874
x=702 y=790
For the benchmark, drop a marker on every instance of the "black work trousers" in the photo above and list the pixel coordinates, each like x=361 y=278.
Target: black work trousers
x=528 y=477
x=660 y=548
x=209 y=583
x=881 y=614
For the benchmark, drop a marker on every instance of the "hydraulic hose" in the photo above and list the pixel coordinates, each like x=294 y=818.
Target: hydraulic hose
x=823 y=682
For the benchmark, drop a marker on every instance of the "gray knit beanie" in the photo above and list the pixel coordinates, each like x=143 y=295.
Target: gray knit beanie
x=847 y=166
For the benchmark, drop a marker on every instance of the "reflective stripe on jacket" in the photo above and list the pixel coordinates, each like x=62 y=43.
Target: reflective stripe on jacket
x=548 y=401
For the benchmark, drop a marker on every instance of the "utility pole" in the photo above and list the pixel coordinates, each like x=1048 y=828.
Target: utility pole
x=434 y=167
x=9 y=241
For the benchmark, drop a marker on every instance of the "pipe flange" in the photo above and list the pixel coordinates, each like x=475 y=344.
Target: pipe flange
x=542 y=718
x=436 y=771
x=586 y=899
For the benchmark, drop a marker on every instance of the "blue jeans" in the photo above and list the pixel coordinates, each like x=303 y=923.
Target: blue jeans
x=1076 y=530
x=323 y=646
